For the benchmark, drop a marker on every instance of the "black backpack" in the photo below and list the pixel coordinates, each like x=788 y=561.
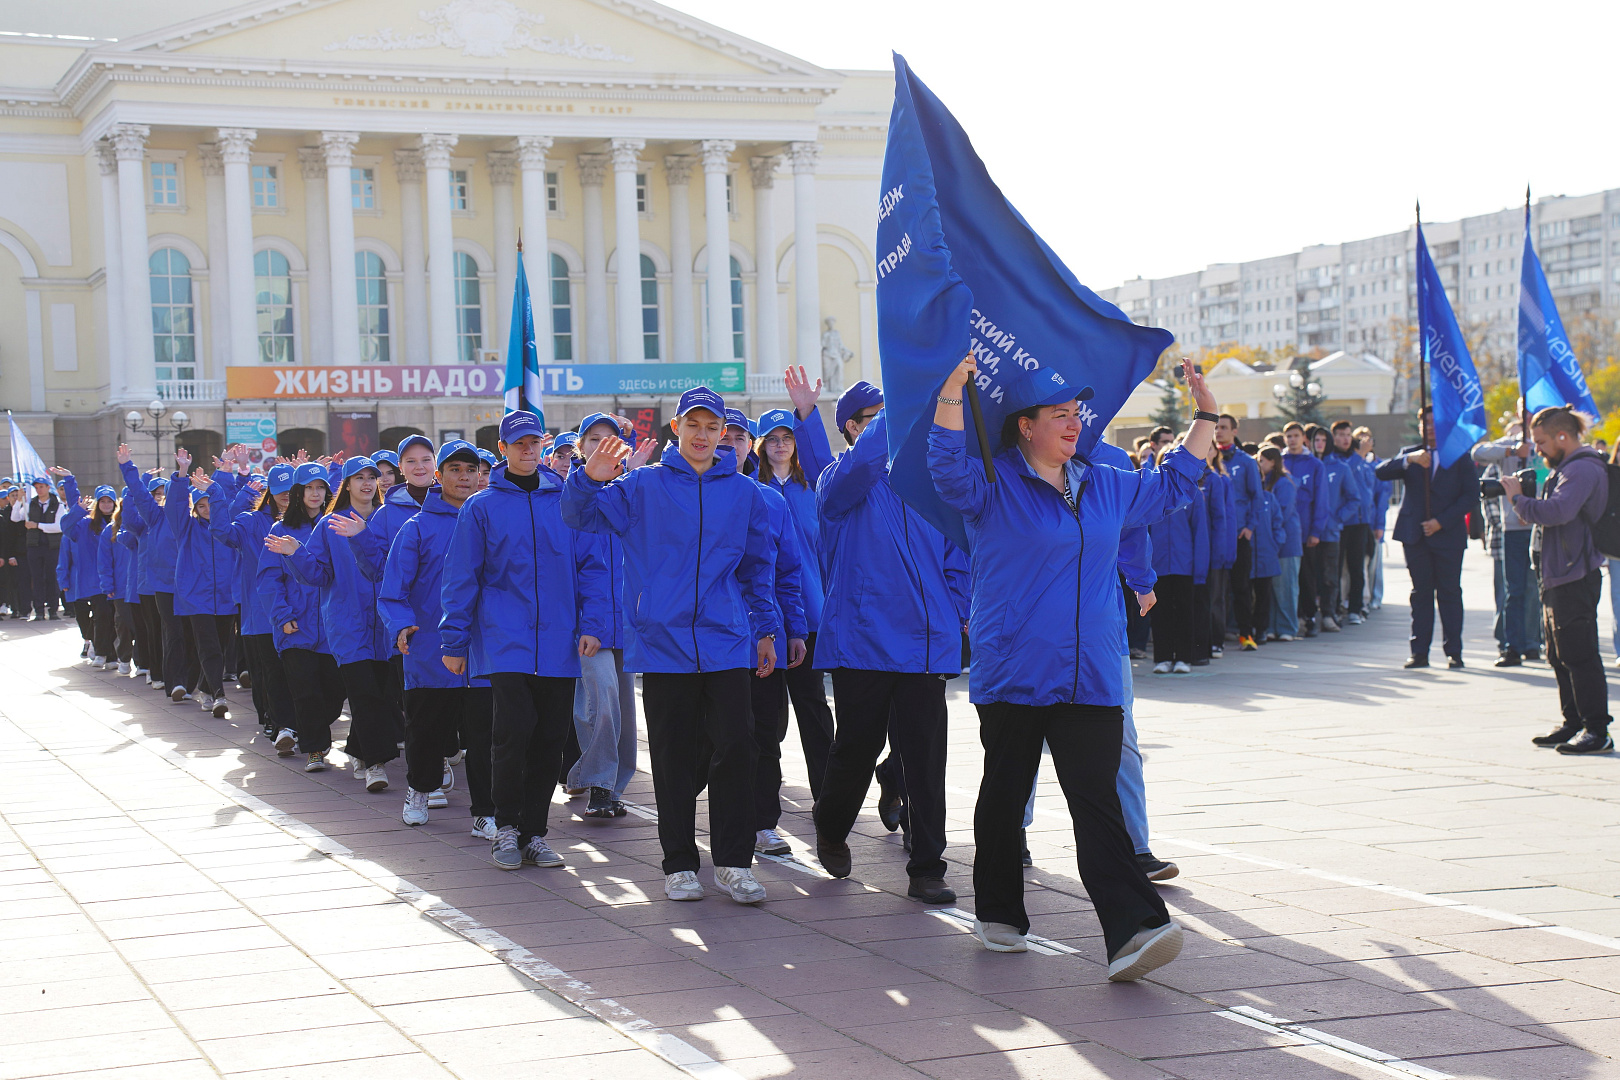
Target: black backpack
x=1606 y=529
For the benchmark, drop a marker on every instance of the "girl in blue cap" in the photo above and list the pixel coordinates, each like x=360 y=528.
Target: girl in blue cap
x=178 y=654
x=116 y=565
x=204 y=580
x=354 y=630
x=697 y=562
x=76 y=575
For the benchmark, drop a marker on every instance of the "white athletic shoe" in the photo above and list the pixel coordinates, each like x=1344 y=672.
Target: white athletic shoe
x=123 y=667
x=156 y=684
x=457 y=758
x=1181 y=667
x=999 y=937
x=178 y=694
x=1148 y=950
x=437 y=800
x=99 y=663
x=377 y=778
x=770 y=842
x=683 y=885
x=1162 y=667
x=359 y=768
x=205 y=702
x=416 y=807
x=286 y=740
x=448 y=781
x=739 y=883
x=221 y=707
x=483 y=828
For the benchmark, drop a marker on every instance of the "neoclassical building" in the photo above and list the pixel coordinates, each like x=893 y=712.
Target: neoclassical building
x=299 y=208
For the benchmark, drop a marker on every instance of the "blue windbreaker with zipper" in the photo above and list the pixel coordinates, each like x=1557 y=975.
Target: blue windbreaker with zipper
x=243 y=529
x=1245 y=476
x=1269 y=534
x=1223 y=527
x=205 y=569
x=1181 y=541
x=1339 y=501
x=411 y=593
x=349 y=619
x=1286 y=492
x=76 y=564
x=115 y=566
x=157 y=539
x=1135 y=546
x=810 y=439
x=787 y=570
x=289 y=599
x=372 y=546
x=1306 y=470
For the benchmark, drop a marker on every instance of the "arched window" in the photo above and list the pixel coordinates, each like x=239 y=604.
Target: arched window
x=174 y=330
x=272 y=286
x=562 y=310
x=371 y=286
x=738 y=338
x=649 y=309
x=469 y=310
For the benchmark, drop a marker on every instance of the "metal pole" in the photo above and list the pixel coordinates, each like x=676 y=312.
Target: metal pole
x=978 y=428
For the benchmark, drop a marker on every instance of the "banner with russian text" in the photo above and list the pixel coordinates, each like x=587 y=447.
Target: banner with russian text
x=294 y=382
x=257 y=432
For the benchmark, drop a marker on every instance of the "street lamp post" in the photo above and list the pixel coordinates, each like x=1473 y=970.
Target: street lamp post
x=157 y=410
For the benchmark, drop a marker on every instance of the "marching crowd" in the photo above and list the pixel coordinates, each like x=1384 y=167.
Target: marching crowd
x=494 y=612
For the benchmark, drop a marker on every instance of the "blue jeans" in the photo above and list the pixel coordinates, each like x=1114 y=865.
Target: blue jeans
x=1129 y=783
x=1285 y=598
x=1515 y=604
x=605 y=721
x=1614 y=600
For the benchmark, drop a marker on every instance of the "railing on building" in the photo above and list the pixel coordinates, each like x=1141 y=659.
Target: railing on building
x=766 y=384
x=191 y=389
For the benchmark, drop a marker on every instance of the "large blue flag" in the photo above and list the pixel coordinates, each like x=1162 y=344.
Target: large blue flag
x=521 y=388
x=959 y=271
x=26 y=464
x=1454 y=390
x=1549 y=373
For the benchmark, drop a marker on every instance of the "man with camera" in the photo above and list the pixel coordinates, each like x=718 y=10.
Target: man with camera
x=1515 y=578
x=1572 y=499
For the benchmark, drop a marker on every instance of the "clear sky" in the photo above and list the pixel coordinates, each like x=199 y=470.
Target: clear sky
x=1156 y=138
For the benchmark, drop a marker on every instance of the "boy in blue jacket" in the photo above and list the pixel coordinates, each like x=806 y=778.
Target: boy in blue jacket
x=697 y=565
x=1355 y=540
x=1339 y=506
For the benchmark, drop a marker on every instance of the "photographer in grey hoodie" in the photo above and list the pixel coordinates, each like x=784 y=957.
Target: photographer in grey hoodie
x=1517 y=621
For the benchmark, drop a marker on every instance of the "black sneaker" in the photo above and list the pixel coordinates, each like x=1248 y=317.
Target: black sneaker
x=890 y=807
x=619 y=809
x=1156 y=868
x=1588 y=743
x=1311 y=629
x=601 y=804
x=1416 y=662
x=1558 y=736
x=931 y=890
x=1454 y=663
x=834 y=857
x=1510 y=659
x=1532 y=654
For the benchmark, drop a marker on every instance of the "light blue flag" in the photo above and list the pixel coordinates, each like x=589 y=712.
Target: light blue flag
x=522 y=388
x=26 y=464
x=1549 y=373
x=1454 y=390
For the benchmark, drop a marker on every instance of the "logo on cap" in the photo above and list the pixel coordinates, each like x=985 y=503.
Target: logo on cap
x=701 y=397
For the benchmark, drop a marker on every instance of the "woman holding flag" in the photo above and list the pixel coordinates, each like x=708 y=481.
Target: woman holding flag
x=1045 y=539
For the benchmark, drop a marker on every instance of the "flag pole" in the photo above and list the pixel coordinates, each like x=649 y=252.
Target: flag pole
x=1524 y=393
x=1423 y=389
x=978 y=428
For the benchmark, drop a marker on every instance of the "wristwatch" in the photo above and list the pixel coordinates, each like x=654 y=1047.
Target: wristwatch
x=1213 y=418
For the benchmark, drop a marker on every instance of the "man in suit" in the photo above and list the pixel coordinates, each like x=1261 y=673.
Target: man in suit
x=1432 y=529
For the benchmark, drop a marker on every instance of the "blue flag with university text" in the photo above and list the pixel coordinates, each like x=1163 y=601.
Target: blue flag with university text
x=521 y=388
x=959 y=271
x=1454 y=390
x=1549 y=373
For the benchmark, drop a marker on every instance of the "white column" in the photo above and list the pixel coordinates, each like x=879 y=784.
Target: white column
x=317 y=255
x=339 y=147
x=413 y=255
x=502 y=172
x=678 y=176
x=113 y=283
x=806 y=266
x=717 y=238
x=627 y=241
x=441 y=249
x=531 y=156
x=140 y=364
x=592 y=171
x=767 y=357
x=235 y=147
x=219 y=257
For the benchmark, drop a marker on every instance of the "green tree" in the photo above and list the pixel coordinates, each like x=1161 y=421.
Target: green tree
x=1501 y=400
x=1172 y=410
x=1304 y=397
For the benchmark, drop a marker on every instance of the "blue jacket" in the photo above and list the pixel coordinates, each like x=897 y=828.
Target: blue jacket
x=243 y=529
x=1245 y=474
x=1307 y=473
x=608 y=550
x=205 y=569
x=810 y=439
x=1270 y=532
x=1381 y=493
x=1339 y=499
x=1223 y=528
x=158 y=545
x=1451 y=494
x=1046 y=618
x=353 y=628
x=371 y=547
x=1366 y=485
x=787 y=569
x=1135 y=546
x=698 y=557
x=115 y=568
x=287 y=599
x=1181 y=541
x=518 y=589
x=76 y=563
x=411 y=593
x=891 y=603
x=1286 y=492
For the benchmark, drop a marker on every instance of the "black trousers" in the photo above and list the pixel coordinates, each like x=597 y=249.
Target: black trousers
x=317 y=693
x=866 y=701
x=1218 y=581
x=125 y=618
x=434 y=715
x=149 y=637
x=179 y=648
x=1436 y=582
x=1353 y=545
x=1085 y=741
x=209 y=633
x=374 y=723
x=700 y=730
x=1202 y=622
x=1310 y=574
x=532 y=716
x=1327 y=579
x=42 y=573
x=1569 y=626
x=103 y=628
x=82 y=612
x=272 y=696
x=805 y=685
x=1260 y=604
x=1173 y=618
x=1242 y=593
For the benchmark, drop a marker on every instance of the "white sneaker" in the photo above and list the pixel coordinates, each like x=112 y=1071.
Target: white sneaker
x=437 y=800
x=683 y=885
x=1162 y=667
x=286 y=739
x=204 y=701
x=377 y=778
x=740 y=883
x=123 y=667
x=1181 y=667
x=483 y=828
x=1148 y=950
x=999 y=937
x=142 y=673
x=447 y=781
x=457 y=758
x=416 y=807
x=99 y=663
x=1354 y=619
x=770 y=842
x=359 y=768
x=221 y=707
x=1285 y=637
x=178 y=694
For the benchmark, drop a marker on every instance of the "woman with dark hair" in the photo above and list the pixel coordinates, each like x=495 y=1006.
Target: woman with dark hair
x=1047 y=624
x=386 y=463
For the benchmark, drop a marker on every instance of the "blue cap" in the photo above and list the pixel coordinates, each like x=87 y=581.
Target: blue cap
x=411 y=440
x=105 y=491
x=356 y=465
x=862 y=395
x=567 y=438
x=467 y=451
x=153 y=483
x=516 y=425
x=736 y=418
x=772 y=419
x=390 y=457
x=124 y=494
x=1043 y=386
x=701 y=397
x=486 y=457
x=309 y=472
x=280 y=479
x=42 y=480
x=628 y=435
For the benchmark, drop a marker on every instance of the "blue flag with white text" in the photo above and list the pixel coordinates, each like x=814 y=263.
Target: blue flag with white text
x=26 y=464
x=1454 y=390
x=959 y=271
x=1549 y=373
x=522 y=388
